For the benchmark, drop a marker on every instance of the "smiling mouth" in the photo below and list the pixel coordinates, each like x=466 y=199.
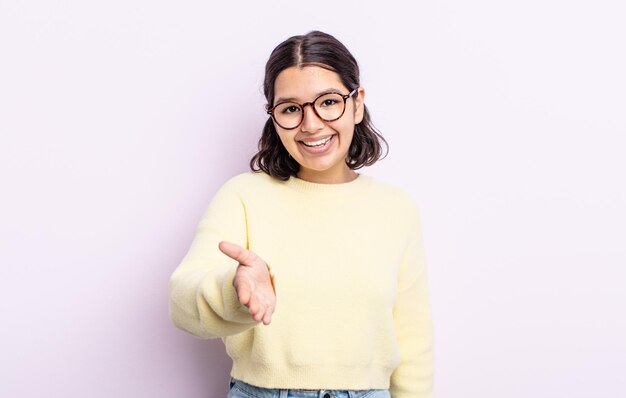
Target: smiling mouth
x=318 y=143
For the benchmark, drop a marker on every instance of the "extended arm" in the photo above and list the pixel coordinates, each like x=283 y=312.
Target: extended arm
x=203 y=300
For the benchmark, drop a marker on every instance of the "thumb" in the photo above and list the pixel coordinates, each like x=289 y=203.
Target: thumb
x=238 y=253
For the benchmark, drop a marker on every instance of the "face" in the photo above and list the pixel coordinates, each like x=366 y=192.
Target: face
x=325 y=163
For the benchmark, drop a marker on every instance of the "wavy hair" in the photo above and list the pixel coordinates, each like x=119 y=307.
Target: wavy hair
x=314 y=49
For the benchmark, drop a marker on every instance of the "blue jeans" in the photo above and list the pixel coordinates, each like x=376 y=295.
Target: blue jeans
x=241 y=389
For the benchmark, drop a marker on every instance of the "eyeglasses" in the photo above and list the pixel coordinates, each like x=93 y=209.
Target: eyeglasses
x=328 y=107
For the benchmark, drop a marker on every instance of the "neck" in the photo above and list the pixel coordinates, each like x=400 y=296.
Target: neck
x=327 y=176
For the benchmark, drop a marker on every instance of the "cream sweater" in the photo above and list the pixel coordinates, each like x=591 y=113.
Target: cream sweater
x=352 y=309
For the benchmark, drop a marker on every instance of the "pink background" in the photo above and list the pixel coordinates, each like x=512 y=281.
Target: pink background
x=120 y=119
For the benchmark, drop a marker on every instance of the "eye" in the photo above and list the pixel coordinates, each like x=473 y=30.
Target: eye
x=290 y=109
x=329 y=102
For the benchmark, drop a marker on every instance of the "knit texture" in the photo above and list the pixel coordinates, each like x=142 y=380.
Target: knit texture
x=352 y=309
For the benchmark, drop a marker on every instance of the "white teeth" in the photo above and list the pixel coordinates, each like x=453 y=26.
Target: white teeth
x=317 y=143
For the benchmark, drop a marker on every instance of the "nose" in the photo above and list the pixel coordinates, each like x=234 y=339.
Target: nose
x=311 y=122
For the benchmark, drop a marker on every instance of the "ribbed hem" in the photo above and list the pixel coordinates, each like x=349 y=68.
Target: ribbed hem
x=313 y=377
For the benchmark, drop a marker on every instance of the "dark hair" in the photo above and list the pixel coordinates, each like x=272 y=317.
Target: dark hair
x=314 y=49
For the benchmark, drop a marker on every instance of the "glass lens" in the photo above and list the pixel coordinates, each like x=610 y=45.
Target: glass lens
x=329 y=106
x=288 y=114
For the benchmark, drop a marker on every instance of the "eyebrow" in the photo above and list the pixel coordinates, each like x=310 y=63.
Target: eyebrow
x=294 y=99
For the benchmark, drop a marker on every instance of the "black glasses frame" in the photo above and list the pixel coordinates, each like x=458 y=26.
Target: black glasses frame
x=312 y=104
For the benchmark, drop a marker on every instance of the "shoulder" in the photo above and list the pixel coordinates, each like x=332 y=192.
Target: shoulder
x=249 y=181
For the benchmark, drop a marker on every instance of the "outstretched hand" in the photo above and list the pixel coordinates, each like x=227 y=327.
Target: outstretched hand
x=252 y=282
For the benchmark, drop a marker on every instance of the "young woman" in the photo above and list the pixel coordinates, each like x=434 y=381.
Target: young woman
x=313 y=275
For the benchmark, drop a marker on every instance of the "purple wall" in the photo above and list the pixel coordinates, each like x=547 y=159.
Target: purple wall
x=119 y=120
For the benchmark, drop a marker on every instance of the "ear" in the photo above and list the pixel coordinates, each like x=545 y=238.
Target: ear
x=359 y=102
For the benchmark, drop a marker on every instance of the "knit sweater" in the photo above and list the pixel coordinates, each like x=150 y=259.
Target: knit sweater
x=352 y=307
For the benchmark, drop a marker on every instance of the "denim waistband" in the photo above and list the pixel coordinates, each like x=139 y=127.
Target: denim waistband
x=260 y=392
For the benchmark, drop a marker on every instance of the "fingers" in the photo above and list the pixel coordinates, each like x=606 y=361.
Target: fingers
x=260 y=303
x=236 y=252
x=243 y=292
x=261 y=309
x=267 y=318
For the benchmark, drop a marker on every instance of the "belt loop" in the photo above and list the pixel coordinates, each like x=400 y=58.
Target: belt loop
x=283 y=393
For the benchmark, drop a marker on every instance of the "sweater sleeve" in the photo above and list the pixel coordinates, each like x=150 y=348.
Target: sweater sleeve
x=413 y=378
x=202 y=299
